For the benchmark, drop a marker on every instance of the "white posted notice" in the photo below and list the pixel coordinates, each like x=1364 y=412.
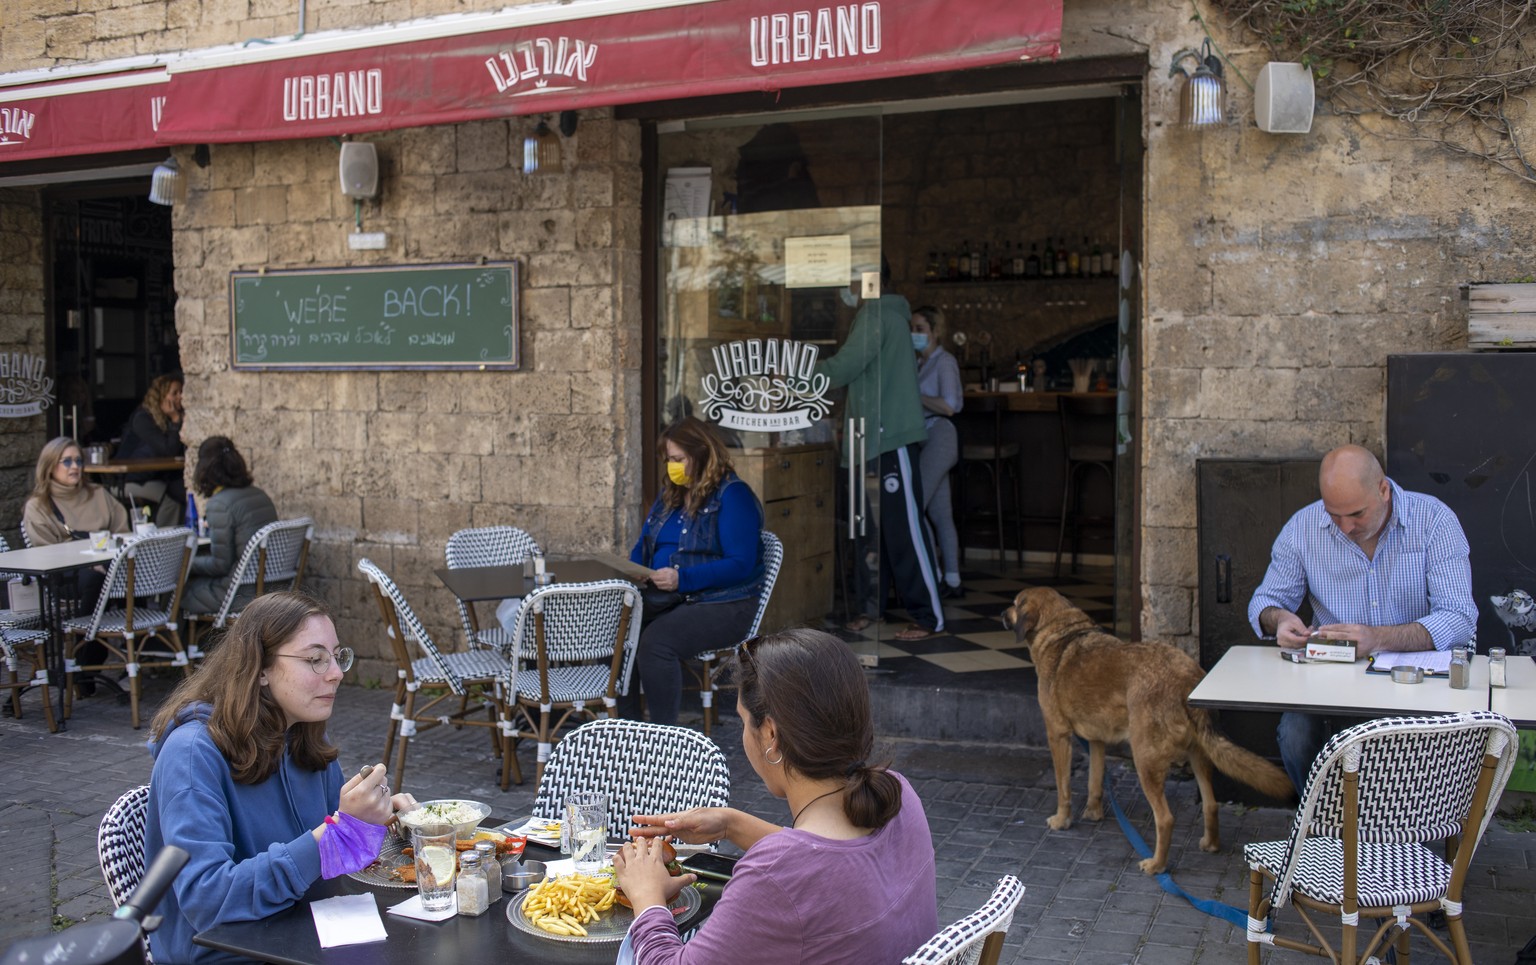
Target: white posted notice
x=818 y=261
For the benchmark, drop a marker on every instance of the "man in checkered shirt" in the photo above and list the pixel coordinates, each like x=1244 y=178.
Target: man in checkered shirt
x=1382 y=566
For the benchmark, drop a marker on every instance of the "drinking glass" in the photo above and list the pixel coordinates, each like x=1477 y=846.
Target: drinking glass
x=436 y=860
x=587 y=816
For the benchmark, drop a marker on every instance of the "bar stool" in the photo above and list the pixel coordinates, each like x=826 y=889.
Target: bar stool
x=1088 y=441
x=982 y=446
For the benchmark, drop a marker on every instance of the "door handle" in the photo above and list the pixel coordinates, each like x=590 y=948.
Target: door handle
x=853 y=478
x=863 y=490
x=1223 y=578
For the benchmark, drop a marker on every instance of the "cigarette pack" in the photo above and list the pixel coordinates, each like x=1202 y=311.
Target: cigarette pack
x=1338 y=651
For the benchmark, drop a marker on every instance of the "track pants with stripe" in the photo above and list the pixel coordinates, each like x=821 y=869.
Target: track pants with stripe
x=906 y=556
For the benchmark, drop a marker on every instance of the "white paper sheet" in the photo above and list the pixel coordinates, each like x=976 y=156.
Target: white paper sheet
x=347 y=920
x=1433 y=661
x=411 y=908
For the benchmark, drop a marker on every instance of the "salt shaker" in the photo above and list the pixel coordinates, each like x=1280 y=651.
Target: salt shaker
x=491 y=865
x=474 y=895
x=1497 y=670
x=1460 y=668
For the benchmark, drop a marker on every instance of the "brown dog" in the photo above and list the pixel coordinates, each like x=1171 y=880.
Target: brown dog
x=1103 y=689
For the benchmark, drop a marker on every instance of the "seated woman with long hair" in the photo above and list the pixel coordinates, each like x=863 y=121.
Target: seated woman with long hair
x=64 y=505
x=703 y=539
x=245 y=780
x=235 y=509
x=852 y=877
x=154 y=432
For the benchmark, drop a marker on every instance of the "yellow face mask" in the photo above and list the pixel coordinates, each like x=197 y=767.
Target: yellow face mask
x=678 y=473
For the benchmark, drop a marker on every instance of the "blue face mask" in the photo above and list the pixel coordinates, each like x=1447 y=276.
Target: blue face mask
x=919 y=341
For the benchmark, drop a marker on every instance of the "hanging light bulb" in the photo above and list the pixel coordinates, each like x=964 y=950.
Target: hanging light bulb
x=541 y=151
x=1202 y=96
x=164 y=182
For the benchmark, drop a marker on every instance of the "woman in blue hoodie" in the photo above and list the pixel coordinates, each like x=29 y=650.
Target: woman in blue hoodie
x=244 y=779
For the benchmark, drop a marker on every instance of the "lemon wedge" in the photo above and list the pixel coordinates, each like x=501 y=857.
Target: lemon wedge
x=439 y=862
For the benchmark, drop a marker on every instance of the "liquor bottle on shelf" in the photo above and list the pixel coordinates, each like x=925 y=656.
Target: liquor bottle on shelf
x=1021 y=370
x=1096 y=262
x=978 y=265
x=931 y=273
x=1075 y=263
x=1048 y=263
x=1016 y=269
x=965 y=261
x=952 y=267
x=1032 y=263
x=1061 y=257
x=996 y=258
x=1082 y=253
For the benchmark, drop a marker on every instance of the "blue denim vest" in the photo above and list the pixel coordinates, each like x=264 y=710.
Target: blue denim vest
x=699 y=542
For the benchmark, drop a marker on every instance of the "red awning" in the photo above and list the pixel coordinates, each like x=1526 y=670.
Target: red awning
x=554 y=57
x=82 y=114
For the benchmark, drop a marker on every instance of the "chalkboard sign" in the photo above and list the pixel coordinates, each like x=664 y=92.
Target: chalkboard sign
x=402 y=316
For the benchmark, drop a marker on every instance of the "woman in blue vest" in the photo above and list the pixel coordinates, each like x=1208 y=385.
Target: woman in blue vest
x=702 y=540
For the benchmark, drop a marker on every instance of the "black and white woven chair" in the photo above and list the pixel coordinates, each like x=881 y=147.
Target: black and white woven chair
x=643 y=768
x=148 y=569
x=13 y=617
x=274 y=558
x=120 y=846
x=976 y=939
x=574 y=647
x=472 y=678
x=710 y=667
x=1377 y=795
x=27 y=648
x=487 y=546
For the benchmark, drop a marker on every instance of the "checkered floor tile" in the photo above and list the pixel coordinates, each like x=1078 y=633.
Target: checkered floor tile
x=974 y=645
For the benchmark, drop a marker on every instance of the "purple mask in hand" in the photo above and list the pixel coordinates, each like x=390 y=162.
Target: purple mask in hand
x=348 y=845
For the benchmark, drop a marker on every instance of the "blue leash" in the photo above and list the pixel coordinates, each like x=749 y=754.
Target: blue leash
x=1210 y=906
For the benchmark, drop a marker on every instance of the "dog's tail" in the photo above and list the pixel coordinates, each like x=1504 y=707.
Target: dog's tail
x=1237 y=763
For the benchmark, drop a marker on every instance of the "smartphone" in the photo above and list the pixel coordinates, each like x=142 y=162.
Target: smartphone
x=707 y=864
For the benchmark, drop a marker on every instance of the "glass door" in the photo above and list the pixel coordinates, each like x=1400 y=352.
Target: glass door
x=776 y=327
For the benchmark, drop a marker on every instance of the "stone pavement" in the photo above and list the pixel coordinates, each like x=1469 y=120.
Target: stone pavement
x=1085 y=903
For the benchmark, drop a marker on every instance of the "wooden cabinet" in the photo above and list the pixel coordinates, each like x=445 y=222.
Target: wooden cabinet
x=796 y=485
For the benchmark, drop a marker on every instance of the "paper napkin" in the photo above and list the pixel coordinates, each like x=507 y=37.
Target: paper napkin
x=411 y=908
x=347 y=920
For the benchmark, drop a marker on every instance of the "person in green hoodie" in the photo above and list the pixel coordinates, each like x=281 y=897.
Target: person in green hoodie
x=876 y=364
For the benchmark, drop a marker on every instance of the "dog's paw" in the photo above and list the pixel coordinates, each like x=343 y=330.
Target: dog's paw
x=1093 y=812
x=1210 y=844
x=1152 y=866
x=1059 y=822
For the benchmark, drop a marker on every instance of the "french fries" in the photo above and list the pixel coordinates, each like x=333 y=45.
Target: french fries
x=562 y=906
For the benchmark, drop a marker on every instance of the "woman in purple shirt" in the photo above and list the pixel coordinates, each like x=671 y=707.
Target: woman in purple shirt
x=852 y=877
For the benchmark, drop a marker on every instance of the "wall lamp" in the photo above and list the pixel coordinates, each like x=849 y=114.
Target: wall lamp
x=1202 y=96
x=165 y=182
x=541 y=149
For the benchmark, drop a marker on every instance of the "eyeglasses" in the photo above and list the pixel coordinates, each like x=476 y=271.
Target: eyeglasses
x=320 y=661
x=71 y=461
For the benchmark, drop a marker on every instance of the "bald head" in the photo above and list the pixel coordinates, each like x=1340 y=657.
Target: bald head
x=1355 y=493
x=1350 y=465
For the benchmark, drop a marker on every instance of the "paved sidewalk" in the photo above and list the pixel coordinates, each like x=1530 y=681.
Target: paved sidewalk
x=1085 y=902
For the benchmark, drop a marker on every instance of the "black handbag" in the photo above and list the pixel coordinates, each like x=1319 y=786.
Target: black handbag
x=658 y=601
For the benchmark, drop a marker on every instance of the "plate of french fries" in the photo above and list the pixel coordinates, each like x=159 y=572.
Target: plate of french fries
x=583 y=908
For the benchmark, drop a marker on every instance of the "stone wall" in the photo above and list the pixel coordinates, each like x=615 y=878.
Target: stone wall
x=1281 y=271
x=21 y=308
x=391 y=463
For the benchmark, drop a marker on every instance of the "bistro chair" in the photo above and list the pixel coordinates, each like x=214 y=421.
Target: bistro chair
x=274 y=558
x=473 y=676
x=1088 y=445
x=1377 y=795
x=17 y=645
x=13 y=618
x=708 y=672
x=976 y=939
x=148 y=569
x=487 y=546
x=574 y=649
x=643 y=768
x=120 y=847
